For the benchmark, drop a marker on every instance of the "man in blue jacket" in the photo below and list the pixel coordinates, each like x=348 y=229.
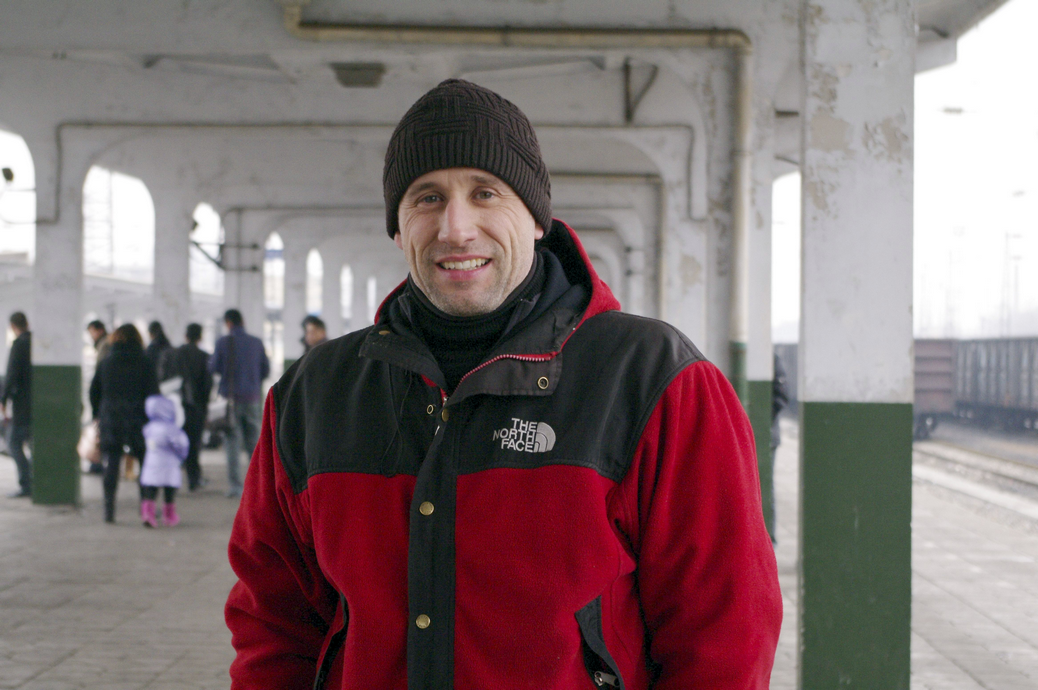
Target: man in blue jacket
x=241 y=362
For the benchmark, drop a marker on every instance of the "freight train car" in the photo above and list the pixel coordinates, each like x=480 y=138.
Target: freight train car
x=996 y=382
x=935 y=377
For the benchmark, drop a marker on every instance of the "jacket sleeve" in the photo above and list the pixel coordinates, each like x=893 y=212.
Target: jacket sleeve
x=180 y=444
x=18 y=365
x=708 y=581
x=281 y=608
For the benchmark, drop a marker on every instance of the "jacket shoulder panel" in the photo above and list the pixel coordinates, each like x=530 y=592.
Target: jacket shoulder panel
x=614 y=369
x=338 y=411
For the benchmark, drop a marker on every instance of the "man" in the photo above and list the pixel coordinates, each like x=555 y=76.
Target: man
x=779 y=402
x=99 y=334
x=505 y=482
x=18 y=389
x=192 y=364
x=160 y=352
x=241 y=362
x=314 y=332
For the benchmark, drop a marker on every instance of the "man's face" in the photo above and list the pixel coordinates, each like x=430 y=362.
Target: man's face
x=95 y=333
x=468 y=238
x=313 y=334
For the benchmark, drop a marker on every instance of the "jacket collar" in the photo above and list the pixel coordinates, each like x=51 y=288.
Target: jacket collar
x=529 y=361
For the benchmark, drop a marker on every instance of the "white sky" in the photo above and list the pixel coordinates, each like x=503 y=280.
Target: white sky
x=976 y=181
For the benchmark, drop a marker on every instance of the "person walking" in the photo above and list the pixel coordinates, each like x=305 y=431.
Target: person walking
x=99 y=334
x=192 y=363
x=241 y=362
x=314 y=332
x=121 y=384
x=18 y=389
x=160 y=352
x=167 y=448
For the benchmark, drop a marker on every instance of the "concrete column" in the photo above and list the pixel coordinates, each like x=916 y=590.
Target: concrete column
x=390 y=272
x=759 y=354
x=55 y=320
x=171 y=291
x=856 y=344
x=362 y=270
x=247 y=273
x=294 y=311
x=331 y=300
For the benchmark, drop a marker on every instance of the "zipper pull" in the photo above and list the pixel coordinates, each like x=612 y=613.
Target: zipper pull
x=603 y=679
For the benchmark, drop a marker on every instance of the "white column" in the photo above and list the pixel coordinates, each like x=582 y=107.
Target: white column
x=362 y=270
x=856 y=344
x=247 y=270
x=856 y=313
x=331 y=292
x=294 y=311
x=171 y=291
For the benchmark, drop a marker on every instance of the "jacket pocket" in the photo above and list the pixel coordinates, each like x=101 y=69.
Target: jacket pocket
x=599 y=662
x=324 y=667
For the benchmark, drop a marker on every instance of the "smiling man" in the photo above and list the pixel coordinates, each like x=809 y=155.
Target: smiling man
x=505 y=482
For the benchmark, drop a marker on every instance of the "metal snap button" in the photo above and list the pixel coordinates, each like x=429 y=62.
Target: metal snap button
x=423 y=621
x=542 y=382
x=445 y=414
x=426 y=508
x=383 y=332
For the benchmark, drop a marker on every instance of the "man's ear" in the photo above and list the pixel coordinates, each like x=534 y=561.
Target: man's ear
x=538 y=231
x=399 y=242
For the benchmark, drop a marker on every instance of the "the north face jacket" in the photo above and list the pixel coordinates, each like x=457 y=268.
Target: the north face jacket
x=582 y=511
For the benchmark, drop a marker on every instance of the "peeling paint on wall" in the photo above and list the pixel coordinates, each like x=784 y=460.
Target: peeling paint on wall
x=829 y=133
x=888 y=139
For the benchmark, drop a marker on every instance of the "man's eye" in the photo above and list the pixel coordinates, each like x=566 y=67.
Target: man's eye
x=484 y=194
x=429 y=199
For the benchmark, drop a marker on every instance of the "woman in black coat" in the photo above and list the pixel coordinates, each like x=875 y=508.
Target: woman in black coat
x=122 y=381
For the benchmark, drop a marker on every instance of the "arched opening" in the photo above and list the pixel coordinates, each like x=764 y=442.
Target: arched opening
x=17 y=230
x=205 y=276
x=274 y=296
x=372 y=298
x=118 y=227
x=314 y=282
x=346 y=294
x=17 y=202
x=785 y=259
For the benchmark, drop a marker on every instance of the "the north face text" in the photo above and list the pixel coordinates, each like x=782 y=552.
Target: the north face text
x=526 y=437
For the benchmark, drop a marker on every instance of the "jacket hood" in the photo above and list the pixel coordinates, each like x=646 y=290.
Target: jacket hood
x=159 y=408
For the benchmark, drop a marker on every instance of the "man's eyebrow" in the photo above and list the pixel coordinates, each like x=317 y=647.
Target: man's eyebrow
x=421 y=188
x=483 y=179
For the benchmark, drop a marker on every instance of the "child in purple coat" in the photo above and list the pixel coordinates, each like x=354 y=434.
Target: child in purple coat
x=167 y=446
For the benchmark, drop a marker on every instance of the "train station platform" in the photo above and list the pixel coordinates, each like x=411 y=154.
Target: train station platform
x=84 y=605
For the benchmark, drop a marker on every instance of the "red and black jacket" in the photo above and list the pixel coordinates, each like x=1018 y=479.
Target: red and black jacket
x=583 y=510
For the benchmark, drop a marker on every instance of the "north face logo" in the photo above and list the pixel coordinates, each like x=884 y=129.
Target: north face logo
x=526 y=437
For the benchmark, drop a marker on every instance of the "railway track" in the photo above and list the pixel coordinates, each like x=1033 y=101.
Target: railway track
x=1007 y=483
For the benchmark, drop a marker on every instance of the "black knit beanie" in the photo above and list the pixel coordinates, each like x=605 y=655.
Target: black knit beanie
x=459 y=124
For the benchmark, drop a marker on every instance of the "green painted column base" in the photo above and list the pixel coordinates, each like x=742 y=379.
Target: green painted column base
x=55 y=432
x=737 y=370
x=855 y=545
x=759 y=410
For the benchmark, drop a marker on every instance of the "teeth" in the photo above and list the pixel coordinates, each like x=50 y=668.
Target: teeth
x=466 y=265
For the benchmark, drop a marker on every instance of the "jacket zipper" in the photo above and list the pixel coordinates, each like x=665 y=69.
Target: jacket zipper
x=602 y=679
x=523 y=358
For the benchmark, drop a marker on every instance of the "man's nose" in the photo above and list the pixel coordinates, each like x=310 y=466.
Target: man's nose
x=458 y=224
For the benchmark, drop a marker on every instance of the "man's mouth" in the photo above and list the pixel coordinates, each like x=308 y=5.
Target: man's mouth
x=467 y=265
